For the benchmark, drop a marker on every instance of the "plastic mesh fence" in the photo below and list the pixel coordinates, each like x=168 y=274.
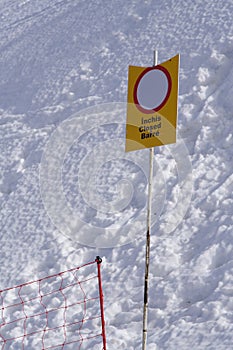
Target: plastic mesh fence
x=61 y=311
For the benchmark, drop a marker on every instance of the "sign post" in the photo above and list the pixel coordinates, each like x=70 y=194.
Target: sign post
x=148 y=231
x=151 y=121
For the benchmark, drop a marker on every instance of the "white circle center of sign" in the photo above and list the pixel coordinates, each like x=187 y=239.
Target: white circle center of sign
x=152 y=89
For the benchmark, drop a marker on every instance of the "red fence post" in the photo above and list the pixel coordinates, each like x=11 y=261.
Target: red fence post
x=99 y=261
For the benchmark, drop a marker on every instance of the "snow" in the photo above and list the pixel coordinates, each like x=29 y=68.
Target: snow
x=68 y=192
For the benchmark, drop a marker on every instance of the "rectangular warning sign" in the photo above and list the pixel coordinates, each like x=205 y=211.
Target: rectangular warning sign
x=152 y=105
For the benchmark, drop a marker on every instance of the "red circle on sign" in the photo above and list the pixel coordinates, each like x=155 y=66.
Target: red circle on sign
x=149 y=80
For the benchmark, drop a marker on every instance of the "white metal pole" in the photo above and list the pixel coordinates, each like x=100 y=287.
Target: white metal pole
x=147 y=263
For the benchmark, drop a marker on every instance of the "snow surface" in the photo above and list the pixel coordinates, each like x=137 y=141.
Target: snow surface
x=63 y=65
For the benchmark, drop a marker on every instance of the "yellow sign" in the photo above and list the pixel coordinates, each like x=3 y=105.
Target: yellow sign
x=152 y=105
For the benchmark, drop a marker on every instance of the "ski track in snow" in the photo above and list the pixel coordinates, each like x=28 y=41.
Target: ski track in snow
x=60 y=57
